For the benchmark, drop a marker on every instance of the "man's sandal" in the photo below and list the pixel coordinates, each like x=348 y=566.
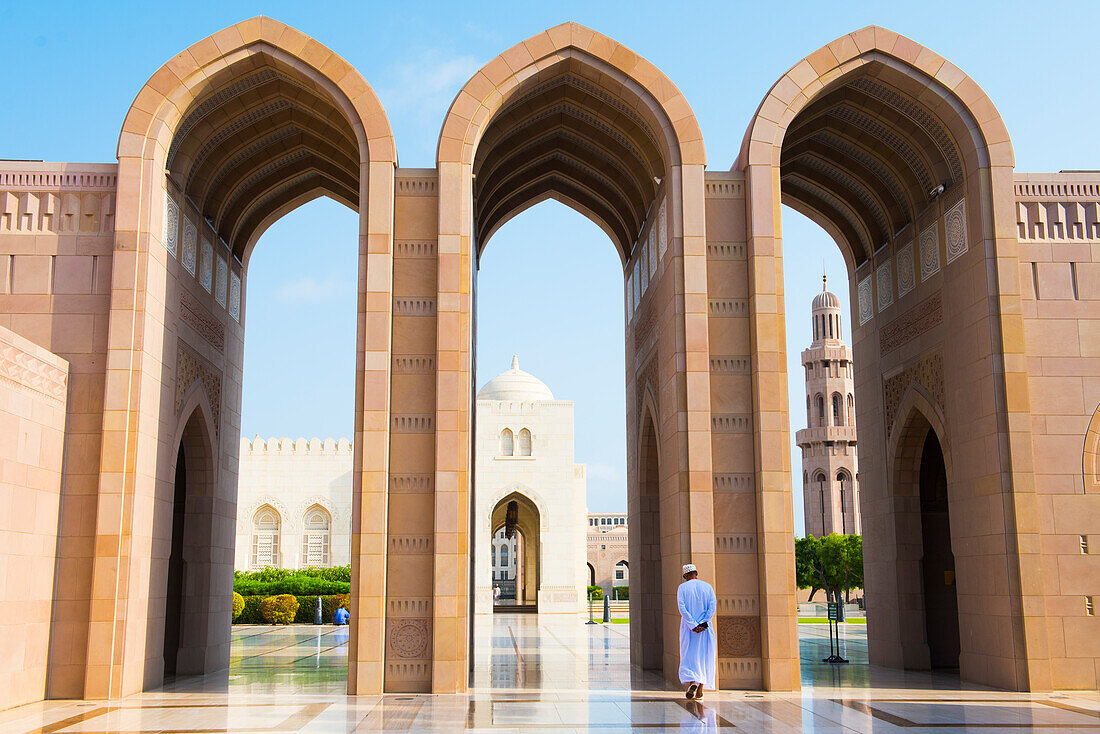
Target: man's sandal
x=699 y=694
x=691 y=691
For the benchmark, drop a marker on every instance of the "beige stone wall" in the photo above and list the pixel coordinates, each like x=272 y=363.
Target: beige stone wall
x=1058 y=221
x=56 y=241
x=34 y=390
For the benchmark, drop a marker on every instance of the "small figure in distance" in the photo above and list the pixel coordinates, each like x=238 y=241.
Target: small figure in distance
x=496 y=593
x=698 y=641
x=342 y=615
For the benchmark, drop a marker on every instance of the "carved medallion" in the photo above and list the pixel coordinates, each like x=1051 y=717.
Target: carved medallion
x=738 y=637
x=408 y=637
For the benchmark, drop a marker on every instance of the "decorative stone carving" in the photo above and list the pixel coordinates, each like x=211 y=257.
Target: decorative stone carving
x=729 y=365
x=924 y=316
x=928 y=373
x=412 y=483
x=727 y=307
x=738 y=636
x=644 y=327
x=28 y=372
x=885 y=281
x=907 y=271
x=662 y=233
x=735 y=543
x=235 y=296
x=206 y=264
x=733 y=482
x=652 y=251
x=220 y=281
x=408 y=637
x=929 y=252
x=407 y=544
x=731 y=423
x=191 y=367
x=414 y=307
x=866 y=308
x=414 y=248
x=414 y=364
x=190 y=247
x=199 y=318
x=954 y=229
x=413 y=423
x=726 y=251
x=171 y=223
x=646 y=376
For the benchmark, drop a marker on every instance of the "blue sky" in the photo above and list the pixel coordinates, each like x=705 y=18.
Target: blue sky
x=550 y=284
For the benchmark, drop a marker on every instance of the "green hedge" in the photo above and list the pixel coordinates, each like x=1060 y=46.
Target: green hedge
x=251 y=613
x=279 y=609
x=238 y=605
x=595 y=593
x=297 y=582
x=621 y=593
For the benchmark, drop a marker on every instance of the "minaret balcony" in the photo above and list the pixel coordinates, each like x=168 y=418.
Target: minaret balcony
x=820 y=434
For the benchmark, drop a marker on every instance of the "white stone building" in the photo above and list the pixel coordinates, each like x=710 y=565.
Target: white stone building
x=830 y=478
x=608 y=552
x=526 y=482
x=293 y=503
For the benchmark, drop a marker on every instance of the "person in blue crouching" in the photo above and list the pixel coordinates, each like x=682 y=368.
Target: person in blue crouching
x=342 y=615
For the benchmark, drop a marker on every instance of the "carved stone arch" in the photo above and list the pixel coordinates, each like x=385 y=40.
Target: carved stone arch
x=917 y=400
x=1090 y=459
x=319 y=501
x=276 y=504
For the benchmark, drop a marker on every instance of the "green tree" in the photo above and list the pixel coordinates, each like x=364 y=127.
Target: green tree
x=805 y=551
x=833 y=563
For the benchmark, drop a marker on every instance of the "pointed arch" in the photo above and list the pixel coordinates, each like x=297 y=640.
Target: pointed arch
x=316 y=537
x=1090 y=459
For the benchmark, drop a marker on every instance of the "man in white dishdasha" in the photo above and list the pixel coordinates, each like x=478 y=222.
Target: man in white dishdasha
x=698 y=641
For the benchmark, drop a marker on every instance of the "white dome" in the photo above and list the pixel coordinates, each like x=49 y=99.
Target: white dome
x=825 y=299
x=515 y=384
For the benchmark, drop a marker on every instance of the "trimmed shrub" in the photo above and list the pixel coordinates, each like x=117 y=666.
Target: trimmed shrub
x=238 y=605
x=622 y=593
x=293 y=585
x=305 y=609
x=279 y=609
x=329 y=605
x=595 y=593
x=251 y=613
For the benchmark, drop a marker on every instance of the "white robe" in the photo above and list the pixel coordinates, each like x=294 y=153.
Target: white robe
x=698 y=650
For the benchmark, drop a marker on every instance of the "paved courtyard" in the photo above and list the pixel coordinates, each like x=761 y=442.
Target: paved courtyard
x=549 y=675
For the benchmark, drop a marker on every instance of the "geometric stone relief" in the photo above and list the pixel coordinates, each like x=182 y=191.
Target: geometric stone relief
x=733 y=482
x=738 y=636
x=414 y=364
x=727 y=307
x=885 y=283
x=629 y=299
x=411 y=543
x=220 y=281
x=652 y=251
x=206 y=264
x=645 y=270
x=734 y=543
x=27 y=372
x=662 y=233
x=408 y=637
x=866 y=307
x=244 y=516
x=413 y=423
x=928 y=373
x=190 y=246
x=406 y=483
x=929 y=252
x=235 y=297
x=191 y=367
x=646 y=376
x=171 y=223
x=954 y=226
x=731 y=423
x=644 y=327
x=924 y=316
x=414 y=306
x=907 y=273
x=725 y=251
x=195 y=315
x=730 y=365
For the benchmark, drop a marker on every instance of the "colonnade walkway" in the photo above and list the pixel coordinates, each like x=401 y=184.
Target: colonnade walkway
x=550 y=675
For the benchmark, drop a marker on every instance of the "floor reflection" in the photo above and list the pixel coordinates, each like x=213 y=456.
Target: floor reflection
x=550 y=675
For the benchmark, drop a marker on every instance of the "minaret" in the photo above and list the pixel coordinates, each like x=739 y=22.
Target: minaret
x=830 y=480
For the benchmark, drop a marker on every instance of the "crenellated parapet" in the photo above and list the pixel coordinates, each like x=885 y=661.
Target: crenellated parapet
x=57 y=198
x=295 y=447
x=1058 y=207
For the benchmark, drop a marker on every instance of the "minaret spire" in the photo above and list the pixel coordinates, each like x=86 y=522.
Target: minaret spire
x=515 y=361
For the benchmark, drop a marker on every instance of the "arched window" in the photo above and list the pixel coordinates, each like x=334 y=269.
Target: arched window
x=316 y=538
x=838 y=410
x=622 y=571
x=820 y=410
x=504 y=555
x=524 y=442
x=494 y=555
x=506 y=442
x=851 y=410
x=844 y=482
x=265 y=537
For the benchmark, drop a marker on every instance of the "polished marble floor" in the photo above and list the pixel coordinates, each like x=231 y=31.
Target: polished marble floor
x=549 y=675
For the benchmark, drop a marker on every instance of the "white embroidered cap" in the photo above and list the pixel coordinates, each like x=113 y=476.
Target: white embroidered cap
x=688 y=568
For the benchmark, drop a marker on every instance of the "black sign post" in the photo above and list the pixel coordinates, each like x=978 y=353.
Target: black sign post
x=836 y=613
